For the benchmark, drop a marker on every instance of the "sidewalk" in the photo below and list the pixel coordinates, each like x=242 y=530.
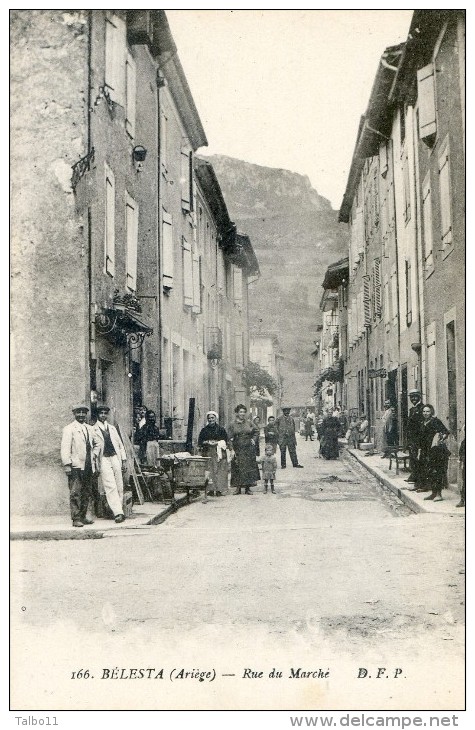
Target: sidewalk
x=59 y=527
x=379 y=468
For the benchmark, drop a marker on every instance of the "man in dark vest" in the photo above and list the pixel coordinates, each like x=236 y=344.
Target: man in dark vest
x=414 y=421
x=287 y=440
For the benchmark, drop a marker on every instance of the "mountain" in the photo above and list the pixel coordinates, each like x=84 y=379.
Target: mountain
x=296 y=235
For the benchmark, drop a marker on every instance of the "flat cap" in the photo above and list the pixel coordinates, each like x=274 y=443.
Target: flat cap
x=83 y=408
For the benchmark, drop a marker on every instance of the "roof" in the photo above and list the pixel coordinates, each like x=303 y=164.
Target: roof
x=214 y=197
x=336 y=274
x=245 y=256
x=164 y=49
x=375 y=123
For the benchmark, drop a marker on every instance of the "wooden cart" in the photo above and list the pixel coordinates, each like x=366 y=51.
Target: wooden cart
x=190 y=473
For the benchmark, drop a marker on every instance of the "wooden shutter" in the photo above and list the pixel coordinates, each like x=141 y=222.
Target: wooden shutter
x=426 y=102
x=394 y=287
x=167 y=251
x=130 y=95
x=186 y=196
x=366 y=301
x=445 y=203
x=131 y=220
x=109 y=237
x=427 y=224
x=239 y=350
x=196 y=282
x=237 y=285
x=115 y=43
x=408 y=293
x=187 y=273
x=377 y=288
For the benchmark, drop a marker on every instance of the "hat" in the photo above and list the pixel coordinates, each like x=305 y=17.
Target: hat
x=414 y=391
x=103 y=407
x=76 y=409
x=286 y=408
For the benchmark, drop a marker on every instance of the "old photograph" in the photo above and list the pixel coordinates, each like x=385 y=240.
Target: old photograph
x=237 y=372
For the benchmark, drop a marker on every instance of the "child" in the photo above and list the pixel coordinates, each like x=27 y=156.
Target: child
x=353 y=433
x=270 y=433
x=269 y=466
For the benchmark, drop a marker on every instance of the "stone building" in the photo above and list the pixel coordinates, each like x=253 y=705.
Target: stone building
x=108 y=263
x=404 y=204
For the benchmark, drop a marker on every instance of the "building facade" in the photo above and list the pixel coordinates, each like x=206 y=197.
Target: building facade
x=112 y=254
x=404 y=205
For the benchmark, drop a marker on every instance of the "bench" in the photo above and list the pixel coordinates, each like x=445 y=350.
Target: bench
x=395 y=454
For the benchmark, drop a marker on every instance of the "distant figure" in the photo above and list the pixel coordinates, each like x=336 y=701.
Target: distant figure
x=287 y=440
x=353 y=433
x=329 y=442
x=363 y=430
x=269 y=467
x=147 y=438
x=390 y=430
x=257 y=423
x=308 y=428
x=270 y=433
x=413 y=427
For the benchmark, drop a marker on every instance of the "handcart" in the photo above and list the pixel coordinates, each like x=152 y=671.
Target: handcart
x=186 y=472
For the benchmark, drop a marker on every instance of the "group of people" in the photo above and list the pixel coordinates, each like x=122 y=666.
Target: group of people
x=87 y=451
x=239 y=444
x=428 y=452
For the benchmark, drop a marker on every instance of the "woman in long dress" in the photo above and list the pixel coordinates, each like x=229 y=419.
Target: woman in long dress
x=212 y=443
x=242 y=437
x=329 y=440
x=433 y=455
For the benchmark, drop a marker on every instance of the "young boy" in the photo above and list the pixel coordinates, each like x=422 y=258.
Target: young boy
x=269 y=466
x=270 y=433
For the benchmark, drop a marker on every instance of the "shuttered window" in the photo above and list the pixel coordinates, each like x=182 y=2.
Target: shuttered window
x=116 y=47
x=132 y=228
x=366 y=302
x=377 y=304
x=131 y=93
x=187 y=273
x=406 y=187
x=408 y=293
x=167 y=252
x=444 y=191
x=196 y=281
x=186 y=178
x=427 y=225
x=237 y=285
x=426 y=101
x=394 y=294
x=163 y=141
x=109 y=227
x=387 y=314
x=238 y=339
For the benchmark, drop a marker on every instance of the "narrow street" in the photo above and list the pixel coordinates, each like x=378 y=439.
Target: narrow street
x=331 y=573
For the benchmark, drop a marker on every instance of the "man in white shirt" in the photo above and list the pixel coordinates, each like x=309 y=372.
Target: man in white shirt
x=111 y=462
x=79 y=450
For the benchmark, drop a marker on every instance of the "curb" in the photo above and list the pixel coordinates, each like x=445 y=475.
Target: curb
x=401 y=494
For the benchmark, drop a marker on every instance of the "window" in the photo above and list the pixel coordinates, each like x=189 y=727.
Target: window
x=237 y=285
x=187 y=273
x=406 y=187
x=186 y=179
x=239 y=350
x=444 y=191
x=408 y=294
x=366 y=302
x=115 y=57
x=163 y=141
x=109 y=228
x=387 y=317
x=132 y=223
x=196 y=281
x=394 y=286
x=451 y=377
x=427 y=225
x=377 y=303
x=426 y=100
x=167 y=252
x=130 y=95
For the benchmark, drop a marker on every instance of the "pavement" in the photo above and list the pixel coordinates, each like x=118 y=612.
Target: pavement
x=144 y=517
x=416 y=501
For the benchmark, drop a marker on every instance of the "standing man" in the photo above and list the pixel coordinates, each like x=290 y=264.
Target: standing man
x=112 y=462
x=414 y=422
x=79 y=450
x=390 y=430
x=286 y=437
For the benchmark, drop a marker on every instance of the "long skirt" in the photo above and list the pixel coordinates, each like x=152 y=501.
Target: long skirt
x=244 y=469
x=329 y=445
x=218 y=472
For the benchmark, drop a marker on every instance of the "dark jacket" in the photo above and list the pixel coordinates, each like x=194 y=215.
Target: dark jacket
x=414 y=421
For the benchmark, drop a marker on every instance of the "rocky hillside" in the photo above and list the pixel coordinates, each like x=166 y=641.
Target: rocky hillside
x=296 y=235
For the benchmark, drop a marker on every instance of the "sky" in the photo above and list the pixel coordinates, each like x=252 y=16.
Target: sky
x=285 y=88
